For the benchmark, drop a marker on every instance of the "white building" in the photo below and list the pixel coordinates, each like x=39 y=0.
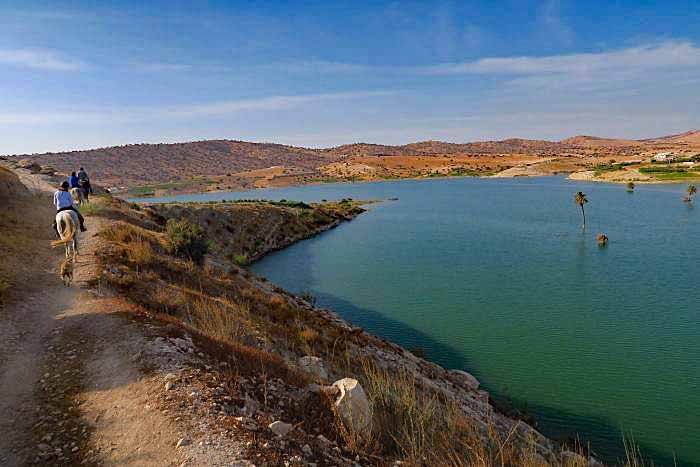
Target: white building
x=664 y=157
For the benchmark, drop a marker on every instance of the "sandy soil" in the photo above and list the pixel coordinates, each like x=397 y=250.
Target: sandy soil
x=81 y=382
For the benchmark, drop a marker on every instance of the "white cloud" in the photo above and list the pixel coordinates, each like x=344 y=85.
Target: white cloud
x=265 y=103
x=44 y=118
x=38 y=59
x=213 y=109
x=668 y=55
x=157 y=67
x=317 y=66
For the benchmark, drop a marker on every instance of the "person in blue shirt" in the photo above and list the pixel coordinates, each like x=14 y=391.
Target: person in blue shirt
x=63 y=201
x=74 y=180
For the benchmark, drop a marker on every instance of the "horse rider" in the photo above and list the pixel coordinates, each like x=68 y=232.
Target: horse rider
x=63 y=201
x=74 y=181
x=84 y=181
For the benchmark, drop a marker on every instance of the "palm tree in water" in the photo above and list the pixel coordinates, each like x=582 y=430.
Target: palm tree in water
x=581 y=200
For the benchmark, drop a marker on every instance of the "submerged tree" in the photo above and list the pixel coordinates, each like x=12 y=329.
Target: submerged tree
x=691 y=190
x=630 y=186
x=581 y=200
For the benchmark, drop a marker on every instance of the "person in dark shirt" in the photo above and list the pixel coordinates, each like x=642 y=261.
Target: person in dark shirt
x=74 y=181
x=84 y=181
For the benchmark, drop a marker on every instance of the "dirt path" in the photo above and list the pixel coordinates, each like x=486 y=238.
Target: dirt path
x=80 y=382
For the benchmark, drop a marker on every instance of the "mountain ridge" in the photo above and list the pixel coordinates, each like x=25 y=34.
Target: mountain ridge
x=234 y=164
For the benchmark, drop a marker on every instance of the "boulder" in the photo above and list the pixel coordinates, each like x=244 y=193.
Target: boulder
x=47 y=170
x=30 y=165
x=465 y=379
x=352 y=405
x=280 y=428
x=313 y=366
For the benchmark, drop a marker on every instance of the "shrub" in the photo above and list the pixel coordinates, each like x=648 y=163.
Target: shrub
x=187 y=239
x=120 y=233
x=140 y=252
x=241 y=260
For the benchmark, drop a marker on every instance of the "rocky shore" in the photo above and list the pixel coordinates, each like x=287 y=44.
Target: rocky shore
x=347 y=372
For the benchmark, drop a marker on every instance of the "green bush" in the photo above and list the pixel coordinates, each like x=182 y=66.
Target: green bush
x=186 y=239
x=645 y=170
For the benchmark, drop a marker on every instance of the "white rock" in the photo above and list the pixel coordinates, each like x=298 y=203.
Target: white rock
x=352 y=405
x=169 y=385
x=280 y=428
x=313 y=366
x=183 y=442
x=307 y=450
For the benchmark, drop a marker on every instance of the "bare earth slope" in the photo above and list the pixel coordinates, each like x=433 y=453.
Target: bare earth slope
x=225 y=164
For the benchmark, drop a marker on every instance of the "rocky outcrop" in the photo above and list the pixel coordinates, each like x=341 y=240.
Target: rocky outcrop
x=314 y=367
x=352 y=405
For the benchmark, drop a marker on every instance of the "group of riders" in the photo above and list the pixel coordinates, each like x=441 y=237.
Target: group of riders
x=63 y=199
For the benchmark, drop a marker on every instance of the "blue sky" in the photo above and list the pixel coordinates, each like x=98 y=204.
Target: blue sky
x=85 y=74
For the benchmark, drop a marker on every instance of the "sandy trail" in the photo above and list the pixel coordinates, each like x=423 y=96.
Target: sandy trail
x=71 y=390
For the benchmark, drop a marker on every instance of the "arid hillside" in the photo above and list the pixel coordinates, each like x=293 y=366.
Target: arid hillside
x=158 y=169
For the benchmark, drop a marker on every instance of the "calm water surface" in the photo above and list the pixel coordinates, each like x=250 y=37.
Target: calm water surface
x=495 y=276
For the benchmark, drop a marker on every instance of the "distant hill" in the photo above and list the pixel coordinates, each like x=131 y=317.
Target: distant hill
x=147 y=163
x=135 y=164
x=229 y=162
x=595 y=142
x=689 y=137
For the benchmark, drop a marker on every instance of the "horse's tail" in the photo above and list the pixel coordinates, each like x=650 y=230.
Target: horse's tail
x=68 y=238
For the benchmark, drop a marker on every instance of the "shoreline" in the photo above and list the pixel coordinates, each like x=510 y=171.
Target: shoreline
x=431 y=377
x=172 y=198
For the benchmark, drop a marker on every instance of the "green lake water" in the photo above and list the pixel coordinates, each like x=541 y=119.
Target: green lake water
x=496 y=277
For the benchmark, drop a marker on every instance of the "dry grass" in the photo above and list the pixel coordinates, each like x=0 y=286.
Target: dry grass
x=226 y=321
x=25 y=226
x=419 y=428
x=141 y=252
x=249 y=328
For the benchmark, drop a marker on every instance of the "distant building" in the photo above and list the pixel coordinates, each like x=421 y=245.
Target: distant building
x=664 y=157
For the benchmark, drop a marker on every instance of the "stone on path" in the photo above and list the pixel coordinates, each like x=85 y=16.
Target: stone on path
x=280 y=428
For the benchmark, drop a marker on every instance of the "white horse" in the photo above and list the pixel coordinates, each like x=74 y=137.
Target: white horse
x=67 y=224
x=78 y=195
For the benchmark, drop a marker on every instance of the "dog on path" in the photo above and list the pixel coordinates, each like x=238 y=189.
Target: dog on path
x=67 y=271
